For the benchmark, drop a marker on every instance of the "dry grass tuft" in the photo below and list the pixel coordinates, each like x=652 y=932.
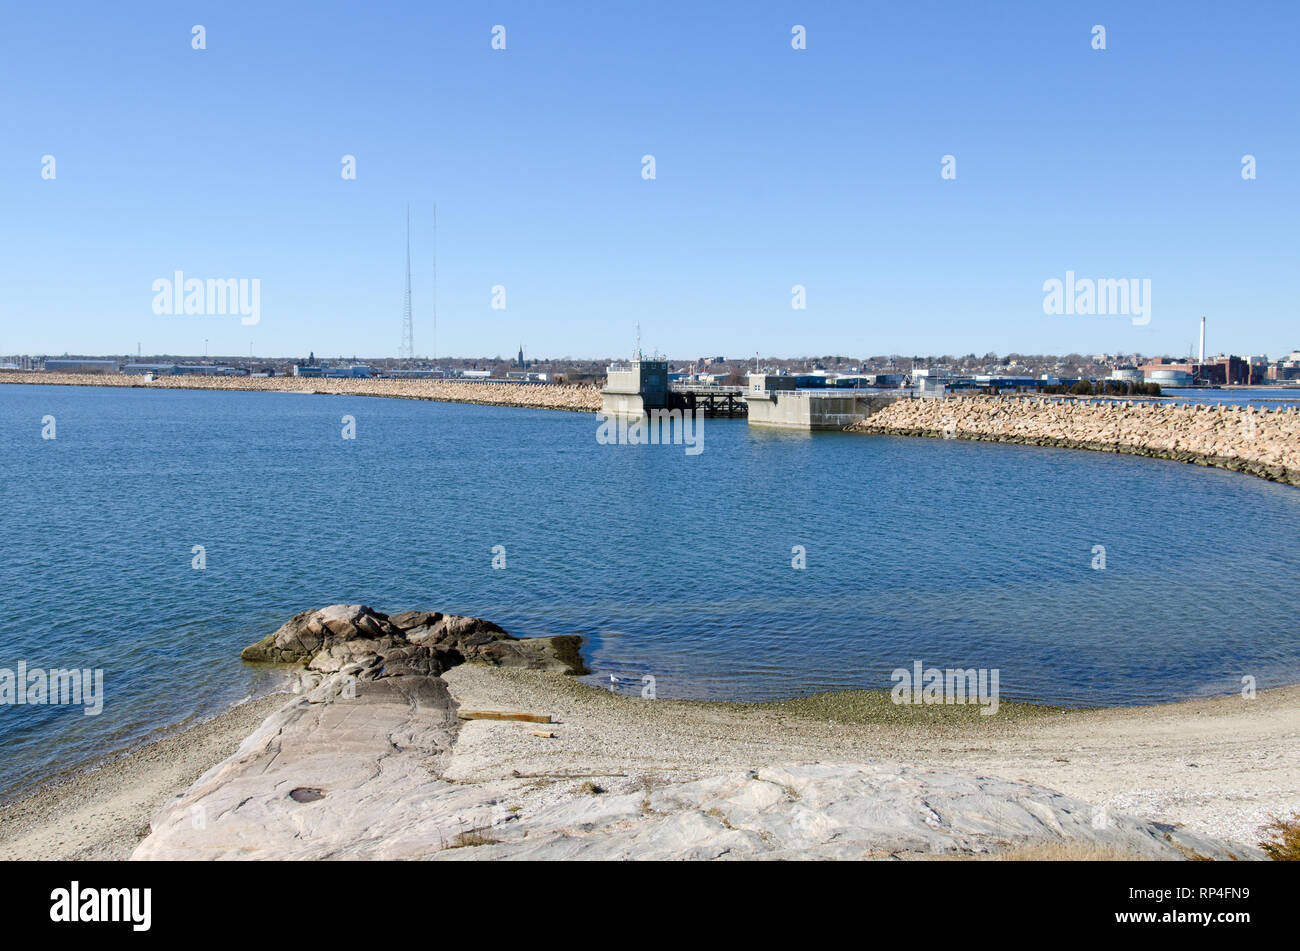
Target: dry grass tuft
x=1066 y=852
x=1282 y=843
x=464 y=840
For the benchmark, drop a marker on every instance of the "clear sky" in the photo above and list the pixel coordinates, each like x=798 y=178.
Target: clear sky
x=774 y=167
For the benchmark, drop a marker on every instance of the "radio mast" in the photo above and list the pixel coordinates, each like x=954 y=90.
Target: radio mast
x=407 y=348
x=434 y=285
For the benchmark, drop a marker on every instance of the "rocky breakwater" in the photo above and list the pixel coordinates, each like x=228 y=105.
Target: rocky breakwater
x=369 y=761
x=1261 y=442
x=574 y=397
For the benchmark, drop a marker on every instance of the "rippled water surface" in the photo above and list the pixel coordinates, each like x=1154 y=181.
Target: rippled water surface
x=949 y=552
x=1261 y=397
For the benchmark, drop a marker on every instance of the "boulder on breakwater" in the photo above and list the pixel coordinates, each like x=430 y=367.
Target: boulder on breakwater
x=1260 y=442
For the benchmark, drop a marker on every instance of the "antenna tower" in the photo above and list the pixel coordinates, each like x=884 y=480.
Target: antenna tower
x=434 y=286
x=407 y=349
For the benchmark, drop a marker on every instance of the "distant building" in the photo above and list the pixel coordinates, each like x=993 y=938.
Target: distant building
x=1006 y=382
x=633 y=388
x=1238 y=372
x=647 y=378
x=810 y=381
x=81 y=366
x=932 y=382
x=1283 y=373
x=203 y=369
x=760 y=384
x=848 y=381
x=1167 y=376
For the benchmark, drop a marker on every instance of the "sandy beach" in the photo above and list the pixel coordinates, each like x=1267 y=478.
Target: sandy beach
x=1217 y=766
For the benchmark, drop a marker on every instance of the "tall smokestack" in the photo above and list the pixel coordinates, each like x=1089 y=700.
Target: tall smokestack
x=1202 y=341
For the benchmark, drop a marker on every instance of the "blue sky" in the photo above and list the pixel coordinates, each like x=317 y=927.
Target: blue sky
x=775 y=167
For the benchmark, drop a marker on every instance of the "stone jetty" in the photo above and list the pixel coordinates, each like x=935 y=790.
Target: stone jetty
x=575 y=397
x=372 y=761
x=1261 y=442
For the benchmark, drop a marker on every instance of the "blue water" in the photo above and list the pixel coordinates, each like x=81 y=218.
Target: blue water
x=949 y=552
x=1261 y=397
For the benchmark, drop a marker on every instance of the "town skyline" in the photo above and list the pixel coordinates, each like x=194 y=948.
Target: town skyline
x=1278 y=353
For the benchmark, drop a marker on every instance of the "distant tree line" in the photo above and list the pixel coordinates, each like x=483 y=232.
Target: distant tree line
x=1105 y=388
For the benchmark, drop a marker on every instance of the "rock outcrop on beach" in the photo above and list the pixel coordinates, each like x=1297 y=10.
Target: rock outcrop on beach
x=366 y=763
x=357 y=640
x=1260 y=442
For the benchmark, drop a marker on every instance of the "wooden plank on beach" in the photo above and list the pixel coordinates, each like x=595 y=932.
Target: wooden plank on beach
x=544 y=734
x=504 y=715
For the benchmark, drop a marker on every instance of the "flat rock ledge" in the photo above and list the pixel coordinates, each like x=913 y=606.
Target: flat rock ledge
x=827 y=811
x=355 y=767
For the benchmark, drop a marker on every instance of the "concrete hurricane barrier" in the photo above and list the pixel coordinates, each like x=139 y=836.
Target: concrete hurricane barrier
x=1260 y=442
x=574 y=397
